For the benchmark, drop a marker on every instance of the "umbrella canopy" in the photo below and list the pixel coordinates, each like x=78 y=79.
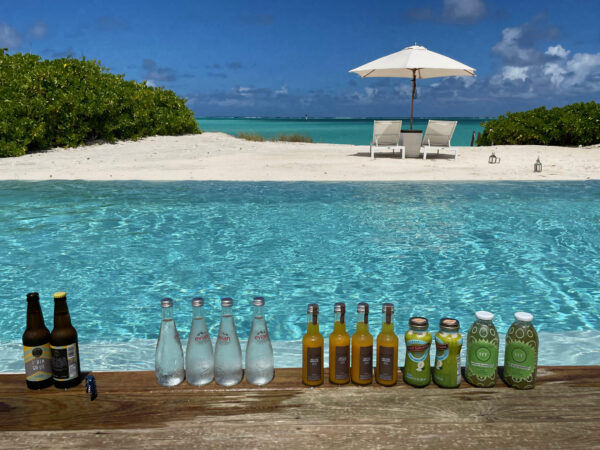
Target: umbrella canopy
x=414 y=62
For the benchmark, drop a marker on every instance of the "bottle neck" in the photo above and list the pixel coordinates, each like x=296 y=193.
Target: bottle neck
x=418 y=330
x=259 y=312
x=167 y=313
x=35 y=318
x=62 y=317
x=387 y=327
x=198 y=312
x=362 y=324
x=312 y=326
x=227 y=311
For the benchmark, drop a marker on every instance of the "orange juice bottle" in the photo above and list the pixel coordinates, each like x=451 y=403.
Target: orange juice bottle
x=362 y=348
x=386 y=371
x=312 y=349
x=339 y=348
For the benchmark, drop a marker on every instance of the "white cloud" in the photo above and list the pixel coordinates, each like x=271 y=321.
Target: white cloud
x=282 y=91
x=513 y=73
x=463 y=11
x=9 y=37
x=39 y=30
x=509 y=47
x=556 y=73
x=557 y=50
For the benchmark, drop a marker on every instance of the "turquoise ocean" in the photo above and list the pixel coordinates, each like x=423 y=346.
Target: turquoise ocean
x=333 y=131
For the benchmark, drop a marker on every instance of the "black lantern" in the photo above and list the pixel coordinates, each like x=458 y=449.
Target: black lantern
x=493 y=159
x=537 y=167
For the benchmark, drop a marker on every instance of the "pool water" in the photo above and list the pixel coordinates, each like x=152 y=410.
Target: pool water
x=432 y=249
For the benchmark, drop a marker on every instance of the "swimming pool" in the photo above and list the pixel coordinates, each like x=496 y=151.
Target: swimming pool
x=432 y=249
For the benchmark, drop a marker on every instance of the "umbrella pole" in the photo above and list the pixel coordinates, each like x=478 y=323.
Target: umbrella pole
x=412 y=101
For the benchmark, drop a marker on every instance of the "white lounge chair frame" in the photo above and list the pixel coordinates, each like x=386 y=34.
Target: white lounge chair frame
x=386 y=133
x=438 y=135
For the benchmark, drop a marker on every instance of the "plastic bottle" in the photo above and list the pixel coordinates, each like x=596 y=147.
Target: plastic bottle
x=260 y=367
x=36 y=346
x=339 y=347
x=228 y=353
x=481 y=369
x=168 y=365
x=312 y=349
x=362 y=348
x=417 y=366
x=386 y=369
x=448 y=343
x=520 y=360
x=199 y=362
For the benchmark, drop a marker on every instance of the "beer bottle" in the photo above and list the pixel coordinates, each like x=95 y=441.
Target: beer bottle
x=36 y=346
x=64 y=346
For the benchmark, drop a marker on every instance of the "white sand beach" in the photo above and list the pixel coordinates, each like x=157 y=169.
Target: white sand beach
x=217 y=156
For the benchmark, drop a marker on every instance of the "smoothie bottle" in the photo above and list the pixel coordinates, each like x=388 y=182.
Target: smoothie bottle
x=386 y=369
x=520 y=359
x=339 y=348
x=417 y=367
x=312 y=349
x=362 y=348
x=482 y=351
x=448 y=343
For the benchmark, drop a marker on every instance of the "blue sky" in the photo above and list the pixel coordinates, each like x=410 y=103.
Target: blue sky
x=291 y=58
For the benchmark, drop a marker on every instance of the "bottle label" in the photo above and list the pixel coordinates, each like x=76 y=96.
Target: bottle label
x=38 y=362
x=417 y=350
x=202 y=338
x=521 y=360
x=64 y=362
x=386 y=363
x=315 y=363
x=365 y=368
x=223 y=338
x=261 y=337
x=342 y=362
x=482 y=359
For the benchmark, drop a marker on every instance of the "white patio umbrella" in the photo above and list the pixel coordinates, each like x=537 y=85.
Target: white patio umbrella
x=414 y=62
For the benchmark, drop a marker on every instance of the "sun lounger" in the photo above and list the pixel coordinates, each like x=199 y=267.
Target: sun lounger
x=386 y=133
x=438 y=136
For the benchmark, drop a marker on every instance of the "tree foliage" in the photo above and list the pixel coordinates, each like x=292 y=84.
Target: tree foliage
x=572 y=125
x=67 y=102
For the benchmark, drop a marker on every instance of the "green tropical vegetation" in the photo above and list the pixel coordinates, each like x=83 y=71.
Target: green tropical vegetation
x=294 y=137
x=251 y=137
x=67 y=102
x=571 y=126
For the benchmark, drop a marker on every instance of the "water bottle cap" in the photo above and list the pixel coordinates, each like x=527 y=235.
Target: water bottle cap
x=166 y=302
x=362 y=307
x=339 y=307
x=484 y=315
x=198 y=301
x=418 y=323
x=523 y=316
x=449 y=324
x=60 y=295
x=225 y=302
x=387 y=307
x=33 y=296
x=258 y=301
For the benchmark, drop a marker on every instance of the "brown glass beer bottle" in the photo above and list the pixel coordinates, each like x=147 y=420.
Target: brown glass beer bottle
x=64 y=346
x=36 y=346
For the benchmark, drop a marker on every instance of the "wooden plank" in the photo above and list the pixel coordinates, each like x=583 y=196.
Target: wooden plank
x=562 y=411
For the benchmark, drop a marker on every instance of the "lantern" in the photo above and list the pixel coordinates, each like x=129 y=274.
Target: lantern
x=493 y=159
x=537 y=167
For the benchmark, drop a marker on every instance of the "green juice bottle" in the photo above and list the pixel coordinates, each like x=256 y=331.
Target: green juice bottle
x=417 y=367
x=448 y=343
x=520 y=359
x=482 y=351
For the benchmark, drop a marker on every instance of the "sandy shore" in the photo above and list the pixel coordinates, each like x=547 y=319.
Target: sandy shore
x=217 y=156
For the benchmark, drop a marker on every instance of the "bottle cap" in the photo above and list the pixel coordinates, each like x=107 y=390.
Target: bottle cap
x=60 y=295
x=312 y=308
x=258 y=301
x=165 y=302
x=387 y=307
x=33 y=296
x=418 y=323
x=449 y=324
x=225 y=302
x=523 y=316
x=198 y=301
x=484 y=315
x=362 y=307
x=339 y=307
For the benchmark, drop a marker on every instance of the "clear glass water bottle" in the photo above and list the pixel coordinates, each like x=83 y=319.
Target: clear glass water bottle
x=199 y=363
x=260 y=368
x=169 y=354
x=228 y=353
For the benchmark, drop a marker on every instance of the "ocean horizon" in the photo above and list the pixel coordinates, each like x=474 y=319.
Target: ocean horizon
x=332 y=130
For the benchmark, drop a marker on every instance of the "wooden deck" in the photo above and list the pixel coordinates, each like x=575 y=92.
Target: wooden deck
x=131 y=411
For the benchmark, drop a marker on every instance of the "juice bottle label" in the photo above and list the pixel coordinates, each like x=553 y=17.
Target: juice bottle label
x=366 y=363
x=417 y=350
x=520 y=361
x=342 y=360
x=447 y=356
x=313 y=357
x=64 y=362
x=386 y=363
x=481 y=359
x=38 y=362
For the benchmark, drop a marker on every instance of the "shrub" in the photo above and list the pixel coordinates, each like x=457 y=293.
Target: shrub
x=293 y=138
x=572 y=125
x=67 y=102
x=251 y=137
